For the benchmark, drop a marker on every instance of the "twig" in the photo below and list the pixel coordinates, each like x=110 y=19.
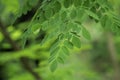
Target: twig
x=23 y=60
x=113 y=54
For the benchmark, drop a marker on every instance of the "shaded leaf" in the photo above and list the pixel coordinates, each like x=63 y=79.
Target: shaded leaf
x=68 y=44
x=85 y=33
x=65 y=50
x=60 y=60
x=53 y=66
x=76 y=41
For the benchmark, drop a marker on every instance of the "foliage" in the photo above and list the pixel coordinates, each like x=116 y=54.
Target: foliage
x=63 y=24
x=63 y=20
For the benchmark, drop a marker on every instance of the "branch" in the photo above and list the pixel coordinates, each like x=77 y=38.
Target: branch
x=7 y=37
x=23 y=60
x=113 y=54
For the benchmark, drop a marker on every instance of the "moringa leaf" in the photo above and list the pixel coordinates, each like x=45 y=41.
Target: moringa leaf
x=53 y=65
x=85 y=33
x=76 y=41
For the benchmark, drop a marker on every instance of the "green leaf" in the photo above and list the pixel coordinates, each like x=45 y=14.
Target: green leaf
x=68 y=44
x=42 y=17
x=63 y=15
x=67 y=3
x=103 y=20
x=60 y=60
x=81 y=15
x=54 y=45
x=116 y=19
x=77 y=3
x=48 y=13
x=55 y=51
x=51 y=59
x=86 y=3
x=62 y=55
x=92 y=14
x=61 y=36
x=53 y=66
x=36 y=27
x=75 y=28
x=65 y=50
x=76 y=41
x=73 y=14
x=45 y=25
x=85 y=33
x=57 y=7
x=109 y=23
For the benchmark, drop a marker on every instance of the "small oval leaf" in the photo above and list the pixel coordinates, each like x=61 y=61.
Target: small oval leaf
x=76 y=41
x=65 y=50
x=68 y=44
x=53 y=66
x=85 y=33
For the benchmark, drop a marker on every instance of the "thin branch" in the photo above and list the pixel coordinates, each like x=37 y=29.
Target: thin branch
x=23 y=60
x=113 y=54
x=7 y=37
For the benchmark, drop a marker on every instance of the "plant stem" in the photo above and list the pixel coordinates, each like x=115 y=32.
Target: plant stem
x=113 y=55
